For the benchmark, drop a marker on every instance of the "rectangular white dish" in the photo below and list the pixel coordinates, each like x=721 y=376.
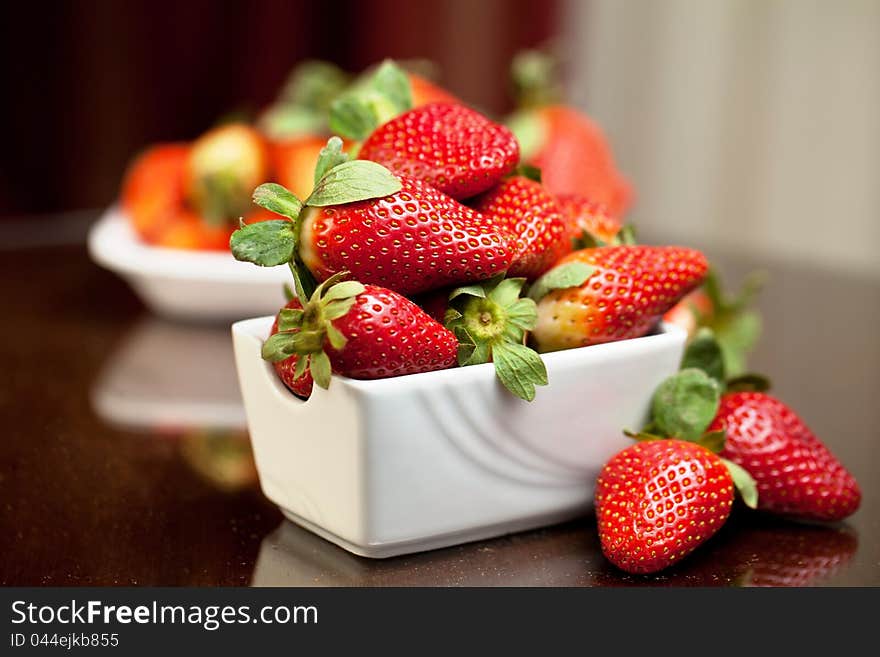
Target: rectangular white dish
x=424 y=461
x=185 y=284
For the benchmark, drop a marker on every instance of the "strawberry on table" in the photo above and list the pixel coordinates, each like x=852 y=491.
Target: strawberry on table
x=526 y=210
x=359 y=331
x=611 y=293
x=795 y=472
x=386 y=230
x=657 y=501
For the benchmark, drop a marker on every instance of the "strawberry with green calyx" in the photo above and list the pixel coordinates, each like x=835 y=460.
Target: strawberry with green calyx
x=371 y=101
x=222 y=168
x=621 y=292
x=490 y=321
x=588 y=221
x=736 y=327
x=386 y=230
x=657 y=501
x=359 y=331
x=525 y=209
x=562 y=141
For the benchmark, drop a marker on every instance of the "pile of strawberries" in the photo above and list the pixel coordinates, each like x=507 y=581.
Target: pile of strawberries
x=430 y=240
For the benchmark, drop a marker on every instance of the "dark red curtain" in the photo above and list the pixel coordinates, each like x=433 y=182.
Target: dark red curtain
x=86 y=84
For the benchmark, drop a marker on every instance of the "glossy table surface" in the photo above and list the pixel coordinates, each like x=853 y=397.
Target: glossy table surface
x=125 y=459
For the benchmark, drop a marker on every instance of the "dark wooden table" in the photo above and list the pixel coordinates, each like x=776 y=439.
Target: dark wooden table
x=106 y=478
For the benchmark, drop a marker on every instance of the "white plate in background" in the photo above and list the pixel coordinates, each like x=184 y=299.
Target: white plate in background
x=186 y=284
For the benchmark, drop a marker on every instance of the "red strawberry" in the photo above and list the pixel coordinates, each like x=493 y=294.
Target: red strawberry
x=425 y=92
x=411 y=241
x=584 y=215
x=795 y=472
x=452 y=147
x=358 y=331
x=624 y=292
x=573 y=155
x=526 y=210
x=657 y=501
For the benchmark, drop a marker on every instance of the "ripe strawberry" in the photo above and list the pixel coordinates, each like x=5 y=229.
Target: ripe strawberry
x=622 y=293
x=525 y=209
x=657 y=501
x=223 y=166
x=293 y=161
x=795 y=473
x=583 y=215
x=152 y=191
x=425 y=92
x=691 y=312
x=573 y=155
x=411 y=241
x=358 y=331
x=452 y=147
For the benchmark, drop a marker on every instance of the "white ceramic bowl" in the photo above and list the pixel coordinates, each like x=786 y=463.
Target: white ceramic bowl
x=428 y=460
x=184 y=284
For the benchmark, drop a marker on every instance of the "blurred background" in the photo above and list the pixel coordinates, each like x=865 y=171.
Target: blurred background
x=744 y=124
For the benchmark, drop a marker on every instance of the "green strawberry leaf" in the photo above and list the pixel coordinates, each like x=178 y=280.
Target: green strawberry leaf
x=266 y=243
x=685 y=404
x=572 y=274
x=704 y=353
x=506 y=292
x=523 y=314
x=289 y=319
x=334 y=335
x=288 y=293
x=737 y=336
x=338 y=308
x=519 y=369
x=344 y=290
x=626 y=236
x=392 y=82
x=351 y=117
x=320 y=369
x=528 y=171
x=278 y=347
x=357 y=180
x=302 y=363
x=713 y=440
x=283 y=121
x=330 y=156
x=744 y=483
x=586 y=241
x=475 y=290
x=642 y=436
x=529 y=130
x=750 y=382
x=278 y=199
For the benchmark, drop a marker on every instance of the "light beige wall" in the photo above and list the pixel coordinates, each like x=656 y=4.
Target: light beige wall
x=745 y=124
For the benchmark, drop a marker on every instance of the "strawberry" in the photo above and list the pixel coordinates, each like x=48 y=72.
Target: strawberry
x=795 y=473
x=525 y=209
x=358 y=331
x=452 y=147
x=585 y=216
x=386 y=230
x=572 y=154
x=425 y=92
x=690 y=312
x=223 y=166
x=657 y=501
x=611 y=293
x=152 y=191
